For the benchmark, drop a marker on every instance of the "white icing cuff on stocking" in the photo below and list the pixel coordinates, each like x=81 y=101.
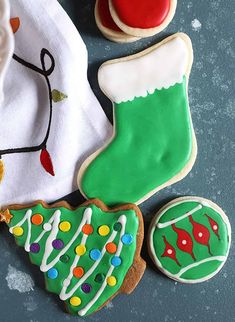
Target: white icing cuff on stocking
x=6 y=42
x=160 y=68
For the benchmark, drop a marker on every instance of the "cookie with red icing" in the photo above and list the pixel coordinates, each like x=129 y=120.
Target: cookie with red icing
x=189 y=239
x=107 y=26
x=142 y=18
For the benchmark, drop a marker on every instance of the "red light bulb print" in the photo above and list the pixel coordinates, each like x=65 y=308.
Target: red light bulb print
x=201 y=234
x=184 y=241
x=214 y=226
x=170 y=251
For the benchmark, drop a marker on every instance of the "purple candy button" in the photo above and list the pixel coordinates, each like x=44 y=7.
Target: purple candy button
x=57 y=244
x=34 y=248
x=86 y=288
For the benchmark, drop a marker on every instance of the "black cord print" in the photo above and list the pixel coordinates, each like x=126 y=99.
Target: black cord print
x=44 y=72
x=45 y=158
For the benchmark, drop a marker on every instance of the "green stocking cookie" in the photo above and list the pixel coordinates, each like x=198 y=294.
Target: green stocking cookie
x=153 y=144
x=88 y=255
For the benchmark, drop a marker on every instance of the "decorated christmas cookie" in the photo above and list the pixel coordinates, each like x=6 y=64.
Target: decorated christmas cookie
x=189 y=239
x=142 y=18
x=153 y=144
x=107 y=26
x=88 y=255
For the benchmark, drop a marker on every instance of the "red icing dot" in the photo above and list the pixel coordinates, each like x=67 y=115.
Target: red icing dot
x=111 y=248
x=87 y=229
x=78 y=272
x=142 y=14
x=105 y=16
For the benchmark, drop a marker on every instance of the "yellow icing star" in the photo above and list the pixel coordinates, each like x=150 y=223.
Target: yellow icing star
x=5 y=216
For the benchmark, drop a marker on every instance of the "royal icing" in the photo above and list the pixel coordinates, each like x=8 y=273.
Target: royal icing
x=105 y=16
x=142 y=14
x=153 y=138
x=189 y=240
x=81 y=252
x=158 y=69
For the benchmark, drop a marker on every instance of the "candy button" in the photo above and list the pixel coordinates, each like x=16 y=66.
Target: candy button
x=117 y=226
x=86 y=288
x=99 y=278
x=35 y=248
x=111 y=281
x=116 y=261
x=64 y=258
x=78 y=272
x=127 y=239
x=18 y=231
x=52 y=273
x=57 y=244
x=37 y=219
x=111 y=248
x=80 y=250
x=75 y=301
x=103 y=230
x=65 y=226
x=87 y=229
x=47 y=227
x=95 y=254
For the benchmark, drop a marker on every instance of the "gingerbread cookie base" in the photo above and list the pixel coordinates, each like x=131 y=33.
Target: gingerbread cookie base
x=88 y=255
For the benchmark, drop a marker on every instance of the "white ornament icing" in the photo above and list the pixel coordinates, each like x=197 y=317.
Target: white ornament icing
x=169 y=223
x=160 y=68
x=6 y=42
x=44 y=267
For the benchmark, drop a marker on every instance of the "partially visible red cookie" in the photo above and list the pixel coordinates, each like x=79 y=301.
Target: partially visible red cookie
x=107 y=26
x=142 y=18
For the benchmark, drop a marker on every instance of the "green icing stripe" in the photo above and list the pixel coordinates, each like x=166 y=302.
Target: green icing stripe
x=153 y=143
x=218 y=241
x=94 y=241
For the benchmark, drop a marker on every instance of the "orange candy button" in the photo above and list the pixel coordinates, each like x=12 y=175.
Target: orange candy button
x=37 y=219
x=78 y=271
x=87 y=229
x=111 y=248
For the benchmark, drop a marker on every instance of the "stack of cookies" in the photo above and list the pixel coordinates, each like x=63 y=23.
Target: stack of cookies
x=127 y=21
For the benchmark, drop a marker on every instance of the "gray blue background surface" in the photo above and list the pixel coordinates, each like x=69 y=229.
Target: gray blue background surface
x=210 y=24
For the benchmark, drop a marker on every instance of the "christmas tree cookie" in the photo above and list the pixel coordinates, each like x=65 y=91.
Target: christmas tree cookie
x=88 y=255
x=153 y=143
x=189 y=239
x=142 y=18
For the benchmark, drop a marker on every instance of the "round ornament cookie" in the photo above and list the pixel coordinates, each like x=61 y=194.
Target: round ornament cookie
x=88 y=255
x=142 y=18
x=189 y=239
x=107 y=26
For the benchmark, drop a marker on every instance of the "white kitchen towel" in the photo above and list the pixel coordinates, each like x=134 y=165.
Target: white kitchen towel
x=45 y=137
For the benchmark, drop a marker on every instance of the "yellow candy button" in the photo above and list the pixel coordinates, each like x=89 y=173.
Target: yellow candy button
x=65 y=226
x=18 y=231
x=80 y=250
x=111 y=281
x=103 y=230
x=75 y=301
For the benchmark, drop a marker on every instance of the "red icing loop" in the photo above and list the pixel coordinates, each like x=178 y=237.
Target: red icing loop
x=169 y=251
x=214 y=226
x=200 y=233
x=184 y=241
x=105 y=16
x=142 y=13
